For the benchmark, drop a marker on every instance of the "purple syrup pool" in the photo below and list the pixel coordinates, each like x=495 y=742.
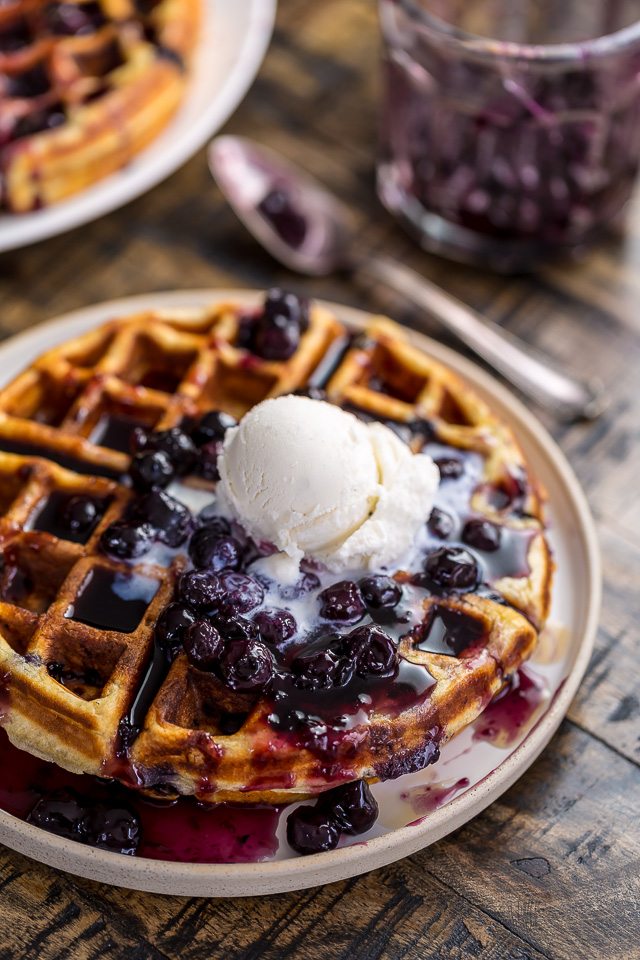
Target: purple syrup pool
x=513 y=712
x=182 y=830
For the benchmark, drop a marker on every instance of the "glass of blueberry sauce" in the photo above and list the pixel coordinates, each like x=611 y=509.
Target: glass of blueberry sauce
x=322 y=653
x=510 y=129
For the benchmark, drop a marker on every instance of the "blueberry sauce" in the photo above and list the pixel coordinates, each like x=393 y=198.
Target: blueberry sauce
x=112 y=601
x=68 y=516
x=513 y=712
x=115 y=431
x=429 y=797
x=97 y=810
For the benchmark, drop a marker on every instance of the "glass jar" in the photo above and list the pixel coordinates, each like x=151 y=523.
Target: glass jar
x=510 y=130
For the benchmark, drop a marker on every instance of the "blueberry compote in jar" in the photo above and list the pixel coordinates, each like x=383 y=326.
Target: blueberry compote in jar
x=510 y=129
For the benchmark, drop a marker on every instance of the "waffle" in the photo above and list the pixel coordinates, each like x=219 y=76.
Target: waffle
x=85 y=85
x=104 y=701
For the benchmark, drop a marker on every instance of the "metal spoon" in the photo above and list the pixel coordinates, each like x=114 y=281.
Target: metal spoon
x=305 y=227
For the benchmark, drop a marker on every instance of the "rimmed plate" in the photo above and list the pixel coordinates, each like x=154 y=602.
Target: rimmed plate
x=405 y=823
x=233 y=41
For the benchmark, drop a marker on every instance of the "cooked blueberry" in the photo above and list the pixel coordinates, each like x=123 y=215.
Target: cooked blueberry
x=246 y=665
x=208 y=549
x=281 y=303
x=452 y=568
x=125 y=541
x=215 y=524
x=206 y=464
x=115 y=828
x=153 y=469
x=372 y=651
x=352 y=806
x=289 y=223
x=276 y=338
x=173 y=623
x=203 y=645
x=240 y=593
x=200 y=589
x=315 y=670
x=482 y=534
x=236 y=628
x=80 y=514
x=342 y=601
x=61 y=812
x=212 y=426
x=276 y=626
x=380 y=592
x=450 y=468
x=440 y=524
x=170 y=518
x=306 y=583
x=177 y=445
x=310 y=830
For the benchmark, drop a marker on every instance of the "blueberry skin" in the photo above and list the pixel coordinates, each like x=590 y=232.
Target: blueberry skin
x=380 y=593
x=482 y=534
x=451 y=568
x=200 y=589
x=211 y=551
x=440 y=524
x=372 y=651
x=173 y=623
x=310 y=830
x=246 y=665
x=170 y=519
x=212 y=426
x=343 y=602
x=149 y=470
x=240 y=593
x=79 y=514
x=276 y=626
x=125 y=540
x=351 y=806
x=203 y=645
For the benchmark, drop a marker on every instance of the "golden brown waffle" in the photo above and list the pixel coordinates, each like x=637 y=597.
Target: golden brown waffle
x=85 y=85
x=79 y=695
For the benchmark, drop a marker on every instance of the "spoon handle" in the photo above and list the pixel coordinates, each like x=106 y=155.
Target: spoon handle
x=533 y=373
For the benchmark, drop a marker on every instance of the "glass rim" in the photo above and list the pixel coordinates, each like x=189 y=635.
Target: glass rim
x=578 y=51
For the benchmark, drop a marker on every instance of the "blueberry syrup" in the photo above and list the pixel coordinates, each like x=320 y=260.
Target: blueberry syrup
x=112 y=601
x=182 y=830
x=115 y=431
x=429 y=797
x=513 y=712
x=68 y=516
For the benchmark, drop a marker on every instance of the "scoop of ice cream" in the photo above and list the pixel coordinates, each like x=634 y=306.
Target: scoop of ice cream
x=319 y=483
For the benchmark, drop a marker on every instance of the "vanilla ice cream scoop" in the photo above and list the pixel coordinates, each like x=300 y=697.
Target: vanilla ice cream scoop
x=319 y=483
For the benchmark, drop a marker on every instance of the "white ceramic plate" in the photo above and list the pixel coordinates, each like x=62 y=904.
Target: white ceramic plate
x=234 y=37
x=414 y=810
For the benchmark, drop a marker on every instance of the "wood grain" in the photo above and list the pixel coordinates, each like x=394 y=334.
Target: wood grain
x=550 y=870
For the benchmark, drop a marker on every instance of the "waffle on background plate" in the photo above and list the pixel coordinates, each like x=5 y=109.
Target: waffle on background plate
x=85 y=683
x=85 y=85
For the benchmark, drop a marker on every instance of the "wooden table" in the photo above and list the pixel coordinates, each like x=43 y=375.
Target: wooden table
x=549 y=870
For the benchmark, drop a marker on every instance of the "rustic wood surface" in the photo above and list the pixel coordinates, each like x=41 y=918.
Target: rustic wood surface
x=551 y=870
